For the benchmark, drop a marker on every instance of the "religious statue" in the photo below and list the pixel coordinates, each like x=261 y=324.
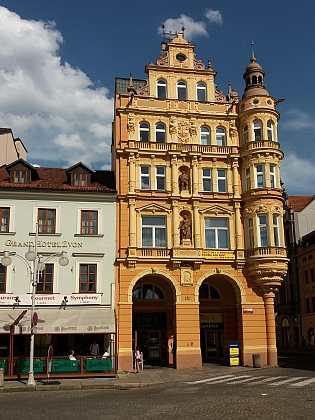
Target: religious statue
x=183 y=181
x=185 y=228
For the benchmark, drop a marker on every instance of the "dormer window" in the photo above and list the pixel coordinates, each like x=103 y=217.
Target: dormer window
x=80 y=180
x=20 y=177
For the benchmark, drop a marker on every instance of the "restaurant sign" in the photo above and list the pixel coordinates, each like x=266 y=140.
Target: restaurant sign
x=211 y=321
x=211 y=254
x=51 y=299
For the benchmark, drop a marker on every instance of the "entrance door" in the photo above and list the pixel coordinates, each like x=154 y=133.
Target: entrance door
x=153 y=345
x=211 y=345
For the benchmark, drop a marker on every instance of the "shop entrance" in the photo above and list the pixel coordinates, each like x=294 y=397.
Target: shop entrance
x=153 y=345
x=211 y=345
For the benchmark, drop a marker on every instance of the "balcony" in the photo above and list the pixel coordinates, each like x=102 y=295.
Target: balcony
x=266 y=252
x=260 y=144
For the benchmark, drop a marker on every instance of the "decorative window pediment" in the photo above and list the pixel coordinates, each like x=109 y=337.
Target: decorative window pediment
x=152 y=209
x=216 y=210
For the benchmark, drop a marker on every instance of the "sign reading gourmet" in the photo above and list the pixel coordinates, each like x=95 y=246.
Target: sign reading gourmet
x=52 y=299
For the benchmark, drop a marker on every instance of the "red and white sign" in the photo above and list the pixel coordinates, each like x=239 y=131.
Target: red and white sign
x=52 y=299
x=248 y=311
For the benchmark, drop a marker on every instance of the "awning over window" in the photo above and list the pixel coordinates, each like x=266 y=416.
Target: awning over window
x=60 y=321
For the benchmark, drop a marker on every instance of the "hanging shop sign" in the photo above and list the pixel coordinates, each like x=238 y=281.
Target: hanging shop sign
x=51 y=299
x=147 y=321
x=218 y=255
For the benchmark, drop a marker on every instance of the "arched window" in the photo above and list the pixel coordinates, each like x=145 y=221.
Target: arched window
x=254 y=80
x=220 y=136
x=245 y=134
x=147 y=291
x=160 y=135
x=257 y=130
x=201 y=92
x=270 y=131
x=205 y=135
x=207 y=291
x=181 y=91
x=144 y=129
x=161 y=89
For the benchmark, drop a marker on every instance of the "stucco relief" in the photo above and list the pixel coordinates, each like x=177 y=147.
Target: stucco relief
x=152 y=208
x=131 y=123
x=183 y=132
x=163 y=61
x=198 y=64
x=143 y=90
x=216 y=210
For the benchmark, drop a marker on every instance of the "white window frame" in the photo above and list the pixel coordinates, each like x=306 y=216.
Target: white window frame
x=181 y=85
x=11 y=218
x=273 y=176
x=276 y=230
x=270 y=136
x=220 y=136
x=99 y=274
x=206 y=179
x=220 y=179
x=160 y=128
x=216 y=230
x=247 y=179
x=201 y=87
x=250 y=232
x=205 y=135
x=153 y=228
x=160 y=176
x=245 y=134
x=145 y=129
x=99 y=219
x=257 y=129
x=143 y=176
x=258 y=174
x=161 y=83
x=46 y=205
x=262 y=227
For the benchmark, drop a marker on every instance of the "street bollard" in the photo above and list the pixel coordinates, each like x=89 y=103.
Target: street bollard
x=1 y=377
x=256 y=361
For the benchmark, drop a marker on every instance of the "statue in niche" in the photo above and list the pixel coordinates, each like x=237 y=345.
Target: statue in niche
x=185 y=228
x=183 y=181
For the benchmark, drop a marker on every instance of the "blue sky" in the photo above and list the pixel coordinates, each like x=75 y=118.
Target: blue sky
x=59 y=60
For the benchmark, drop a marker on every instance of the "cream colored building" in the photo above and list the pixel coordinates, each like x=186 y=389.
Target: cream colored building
x=199 y=214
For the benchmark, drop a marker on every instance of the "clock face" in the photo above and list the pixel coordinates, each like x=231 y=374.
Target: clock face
x=181 y=57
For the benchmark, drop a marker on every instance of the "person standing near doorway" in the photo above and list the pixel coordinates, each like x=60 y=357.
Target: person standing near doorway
x=138 y=358
x=94 y=349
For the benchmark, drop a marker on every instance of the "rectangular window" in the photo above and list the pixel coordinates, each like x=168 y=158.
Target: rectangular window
x=312 y=275
x=306 y=276
x=272 y=176
x=307 y=304
x=276 y=235
x=3 y=277
x=216 y=233
x=263 y=229
x=260 y=179
x=46 y=220
x=221 y=180
x=153 y=232
x=206 y=180
x=20 y=177
x=145 y=177
x=160 y=177
x=247 y=179
x=87 y=279
x=5 y=219
x=80 y=180
x=45 y=279
x=89 y=222
x=250 y=233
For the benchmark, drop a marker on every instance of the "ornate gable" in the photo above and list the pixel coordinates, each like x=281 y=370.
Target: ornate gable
x=216 y=210
x=152 y=209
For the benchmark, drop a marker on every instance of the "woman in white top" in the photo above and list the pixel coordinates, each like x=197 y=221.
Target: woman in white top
x=71 y=357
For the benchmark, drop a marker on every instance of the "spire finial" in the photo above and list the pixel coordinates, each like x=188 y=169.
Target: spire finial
x=252 y=45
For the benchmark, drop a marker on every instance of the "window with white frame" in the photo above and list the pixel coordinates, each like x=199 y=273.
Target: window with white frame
x=216 y=233
x=221 y=180
x=153 y=231
x=160 y=133
x=220 y=136
x=206 y=180
x=257 y=130
x=245 y=134
x=263 y=230
x=46 y=221
x=144 y=131
x=145 y=177
x=259 y=176
x=201 y=92
x=273 y=176
x=4 y=219
x=181 y=91
x=89 y=222
x=161 y=89
x=250 y=232
x=3 y=278
x=45 y=279
x=160 y=177
x=247 y=179
x=276 y=232
x=205 y=136
x=270 y=131
x=87 y=278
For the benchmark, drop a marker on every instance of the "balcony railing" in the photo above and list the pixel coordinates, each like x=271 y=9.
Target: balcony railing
x=266 y=251
x=260 y=144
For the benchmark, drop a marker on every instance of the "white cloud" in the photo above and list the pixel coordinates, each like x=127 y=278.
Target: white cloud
x=296 y=119
x=55 y=109
x=192 y=29
x=214 y=16
x=298 y=175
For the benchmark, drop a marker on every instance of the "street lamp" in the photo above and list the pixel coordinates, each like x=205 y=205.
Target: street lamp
x=34 y=264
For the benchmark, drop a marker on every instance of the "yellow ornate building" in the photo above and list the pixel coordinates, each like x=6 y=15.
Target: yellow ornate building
x=199 y=214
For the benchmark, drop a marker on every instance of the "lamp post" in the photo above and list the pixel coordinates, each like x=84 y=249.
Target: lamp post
x=34 y=264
